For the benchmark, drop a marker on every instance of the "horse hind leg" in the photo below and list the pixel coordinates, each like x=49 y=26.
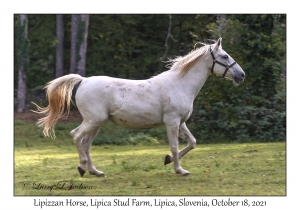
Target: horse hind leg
x=86 y=144
x=185 y=134
x=78 y=135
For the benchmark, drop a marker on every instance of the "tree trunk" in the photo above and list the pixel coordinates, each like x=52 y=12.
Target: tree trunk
x=222 y=23
x=83 y=46
x=22 y=60
x=60 y=46
x=74 y=30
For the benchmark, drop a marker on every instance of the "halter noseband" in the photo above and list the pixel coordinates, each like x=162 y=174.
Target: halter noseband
x=215 y=61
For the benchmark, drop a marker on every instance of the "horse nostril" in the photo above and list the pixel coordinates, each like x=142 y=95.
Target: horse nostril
x=242 y=75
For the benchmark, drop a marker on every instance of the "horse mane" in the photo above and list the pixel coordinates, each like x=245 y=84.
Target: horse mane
x=184 y=63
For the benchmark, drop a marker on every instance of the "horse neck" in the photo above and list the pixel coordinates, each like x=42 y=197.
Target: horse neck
x=195 y=78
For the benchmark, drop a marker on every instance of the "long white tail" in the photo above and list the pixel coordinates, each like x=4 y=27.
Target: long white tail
x=59 y=93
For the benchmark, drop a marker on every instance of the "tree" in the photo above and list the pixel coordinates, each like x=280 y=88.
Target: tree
x=22 y=57
x=82 y=39
x=169 y=35
x=221 y=23
x=79 y=44
x=74 y=29
x=60 y=46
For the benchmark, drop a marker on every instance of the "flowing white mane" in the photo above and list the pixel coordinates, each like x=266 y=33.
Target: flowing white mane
x=184 y=63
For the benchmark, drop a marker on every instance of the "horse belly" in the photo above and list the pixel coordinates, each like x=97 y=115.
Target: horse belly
x=137 y=117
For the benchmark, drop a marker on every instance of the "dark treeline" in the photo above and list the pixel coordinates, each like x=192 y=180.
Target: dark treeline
x=137 y=46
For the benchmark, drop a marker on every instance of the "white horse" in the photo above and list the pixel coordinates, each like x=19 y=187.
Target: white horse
x=165 y=99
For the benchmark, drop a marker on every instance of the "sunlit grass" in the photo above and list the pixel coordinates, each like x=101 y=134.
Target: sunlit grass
x=139 y=170
x=46 y=167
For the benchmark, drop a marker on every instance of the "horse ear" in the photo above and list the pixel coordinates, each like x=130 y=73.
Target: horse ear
x=218 y=44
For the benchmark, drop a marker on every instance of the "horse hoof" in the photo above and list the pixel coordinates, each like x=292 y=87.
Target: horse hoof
x=168 y=159
x=97 y=174
x=186 y=174
x=183 y=173
x=81 y=171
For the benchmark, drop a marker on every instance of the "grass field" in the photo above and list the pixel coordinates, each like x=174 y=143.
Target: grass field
x=46 y=167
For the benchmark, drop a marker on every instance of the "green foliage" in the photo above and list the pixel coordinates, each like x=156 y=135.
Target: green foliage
x=230 y=122
x=254 y=111
x=125 y=46
x=263 y=56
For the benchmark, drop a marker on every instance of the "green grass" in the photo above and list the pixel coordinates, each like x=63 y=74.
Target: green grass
x=46 y=167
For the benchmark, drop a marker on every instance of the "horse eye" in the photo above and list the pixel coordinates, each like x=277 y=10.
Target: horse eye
x=225 y=56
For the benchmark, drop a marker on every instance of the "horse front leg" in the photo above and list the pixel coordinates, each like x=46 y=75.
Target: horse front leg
x=185 y=134
x=172 y=132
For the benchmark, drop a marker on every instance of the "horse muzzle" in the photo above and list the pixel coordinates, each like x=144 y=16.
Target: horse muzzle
x=239 y=77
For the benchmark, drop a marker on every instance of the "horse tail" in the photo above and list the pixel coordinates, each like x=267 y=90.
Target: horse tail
x=58 y=93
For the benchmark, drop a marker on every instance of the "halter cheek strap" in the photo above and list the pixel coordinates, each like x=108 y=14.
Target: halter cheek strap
x=215 y=61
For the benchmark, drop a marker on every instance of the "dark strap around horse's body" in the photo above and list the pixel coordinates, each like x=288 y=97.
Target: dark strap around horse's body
x=215 y=61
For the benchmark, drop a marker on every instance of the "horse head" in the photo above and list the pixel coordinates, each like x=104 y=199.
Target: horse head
x=224 y=65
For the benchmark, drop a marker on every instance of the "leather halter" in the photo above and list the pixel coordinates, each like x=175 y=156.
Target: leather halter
x=215 y=61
